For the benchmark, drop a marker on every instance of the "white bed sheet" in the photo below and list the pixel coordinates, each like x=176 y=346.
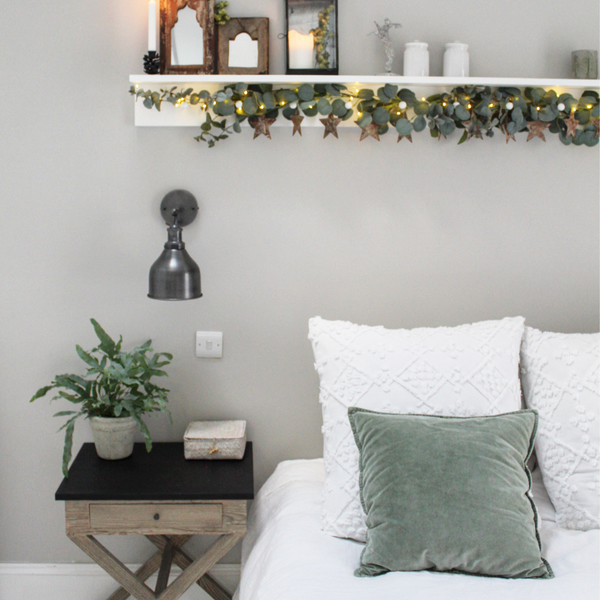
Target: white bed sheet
x=286 y=556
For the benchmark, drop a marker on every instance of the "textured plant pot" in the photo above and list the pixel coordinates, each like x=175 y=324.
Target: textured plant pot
x=113 y=437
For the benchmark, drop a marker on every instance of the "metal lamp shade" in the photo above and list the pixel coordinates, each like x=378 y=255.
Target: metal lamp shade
x=174 y=276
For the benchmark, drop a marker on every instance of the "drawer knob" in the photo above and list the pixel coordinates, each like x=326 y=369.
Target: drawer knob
x=156 y=517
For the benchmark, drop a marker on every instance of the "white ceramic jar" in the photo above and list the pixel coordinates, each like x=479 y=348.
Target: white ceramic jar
x=416 y=59
x=456 y=60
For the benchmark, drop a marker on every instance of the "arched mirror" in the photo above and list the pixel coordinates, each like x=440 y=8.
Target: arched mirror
x=244 y=46
x=187 y=32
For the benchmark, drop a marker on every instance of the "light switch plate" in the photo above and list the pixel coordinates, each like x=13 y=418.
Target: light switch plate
x=209 y=344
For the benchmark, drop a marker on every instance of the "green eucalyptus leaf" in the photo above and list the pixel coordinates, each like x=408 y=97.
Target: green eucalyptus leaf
x=339 y=107
x=288 y=112
x=463 y=138
x=250 y=105
x=419 y=123
x=421 y=108
x=365 y=120
x=269 y=101
x=383 y=97
x=306 y=92
x=547 y=114
x=390 y=90
x=462 y=113
x=324 y=107
x=366 y=94
x=290 y=95
x=381 y=115
x=404 y=126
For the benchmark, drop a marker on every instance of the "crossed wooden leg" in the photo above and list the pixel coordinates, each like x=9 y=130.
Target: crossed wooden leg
x=169 y=551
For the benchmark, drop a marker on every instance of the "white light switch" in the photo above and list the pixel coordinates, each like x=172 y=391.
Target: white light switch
x=209 y=344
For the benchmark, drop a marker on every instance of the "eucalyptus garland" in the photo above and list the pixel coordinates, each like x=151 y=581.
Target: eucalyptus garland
x=476 y=112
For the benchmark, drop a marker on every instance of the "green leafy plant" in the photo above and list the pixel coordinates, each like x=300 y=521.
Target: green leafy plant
x=117 y=384
x=322 y=34
x=473 y=112
x=221 y=16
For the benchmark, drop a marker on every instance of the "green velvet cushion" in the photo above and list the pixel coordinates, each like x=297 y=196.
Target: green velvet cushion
x=448 y=494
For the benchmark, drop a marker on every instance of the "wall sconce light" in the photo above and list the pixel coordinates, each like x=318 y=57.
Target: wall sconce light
x=175 y=275
x=312 y=37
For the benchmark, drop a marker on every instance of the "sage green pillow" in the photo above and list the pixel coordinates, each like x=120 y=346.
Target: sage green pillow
x=448 y=494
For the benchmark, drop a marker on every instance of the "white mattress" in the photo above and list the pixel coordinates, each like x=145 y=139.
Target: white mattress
x=286 y=556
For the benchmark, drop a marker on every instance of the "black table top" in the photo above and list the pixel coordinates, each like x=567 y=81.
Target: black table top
x=163 y=474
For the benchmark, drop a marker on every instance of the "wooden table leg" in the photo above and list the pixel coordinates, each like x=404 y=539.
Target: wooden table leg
x=165 y=568
x=144 y=572
x=200 y=566
x=193 y=571
x=113 y=566
x=184 y=560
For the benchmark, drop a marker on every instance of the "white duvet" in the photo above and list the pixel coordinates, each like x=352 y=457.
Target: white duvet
x=286 y=556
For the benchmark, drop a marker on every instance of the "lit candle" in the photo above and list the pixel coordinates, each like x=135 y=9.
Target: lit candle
x=152 y=26
x=301 y=48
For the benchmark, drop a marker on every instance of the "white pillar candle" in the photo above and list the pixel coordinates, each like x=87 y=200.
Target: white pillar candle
x=301 y=50
x=152 y=26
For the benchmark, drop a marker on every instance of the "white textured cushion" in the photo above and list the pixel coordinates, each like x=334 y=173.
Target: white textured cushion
x=471 y=370
x=560 y=377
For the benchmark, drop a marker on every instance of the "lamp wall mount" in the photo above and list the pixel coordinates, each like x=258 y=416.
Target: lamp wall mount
x=179 y=207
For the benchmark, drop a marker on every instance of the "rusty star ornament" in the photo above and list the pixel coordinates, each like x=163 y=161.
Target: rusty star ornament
x=261 y=126
x=596 y=121
x=331 y=123
x=402 y=137
x=509 y=136
x=536 y=129
x=297 y=121
x=571 y=124
x=371 y=130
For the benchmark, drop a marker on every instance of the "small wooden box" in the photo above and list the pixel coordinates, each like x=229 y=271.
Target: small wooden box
x=214 y=440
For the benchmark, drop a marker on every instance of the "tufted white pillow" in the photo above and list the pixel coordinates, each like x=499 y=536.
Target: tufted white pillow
x=471 y=370
x=560 y=377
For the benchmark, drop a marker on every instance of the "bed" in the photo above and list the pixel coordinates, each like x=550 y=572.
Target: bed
x=286 y=555
x=427 y=433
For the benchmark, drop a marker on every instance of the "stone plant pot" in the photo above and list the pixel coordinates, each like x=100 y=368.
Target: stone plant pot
x=113 y=436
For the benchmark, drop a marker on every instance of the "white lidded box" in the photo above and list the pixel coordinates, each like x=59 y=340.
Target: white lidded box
x=214 y=440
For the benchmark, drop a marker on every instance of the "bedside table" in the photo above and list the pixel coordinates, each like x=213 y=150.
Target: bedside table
x=167 y=499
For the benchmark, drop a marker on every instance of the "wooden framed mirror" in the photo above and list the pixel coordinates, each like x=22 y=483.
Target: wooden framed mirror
x=187 y=36
x=244 y=46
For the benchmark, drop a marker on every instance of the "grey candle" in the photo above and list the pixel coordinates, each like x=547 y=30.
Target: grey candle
x=585 y=64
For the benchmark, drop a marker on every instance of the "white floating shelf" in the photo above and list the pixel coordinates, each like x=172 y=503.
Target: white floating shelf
x=191 y=116
x=370 y=80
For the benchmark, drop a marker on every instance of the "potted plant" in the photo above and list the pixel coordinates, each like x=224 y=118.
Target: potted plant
x=114 y=394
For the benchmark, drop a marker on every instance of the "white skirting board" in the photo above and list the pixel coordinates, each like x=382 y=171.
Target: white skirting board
x=86 y=581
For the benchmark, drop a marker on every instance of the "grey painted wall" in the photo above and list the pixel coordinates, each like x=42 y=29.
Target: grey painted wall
x=399 y=235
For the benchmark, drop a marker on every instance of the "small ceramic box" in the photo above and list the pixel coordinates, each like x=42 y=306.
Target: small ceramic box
x=213 y=440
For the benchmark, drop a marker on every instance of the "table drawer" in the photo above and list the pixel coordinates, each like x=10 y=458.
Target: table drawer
x=155 y=517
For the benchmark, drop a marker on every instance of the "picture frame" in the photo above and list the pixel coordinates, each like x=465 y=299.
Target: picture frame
x=183 y=49
x=253 y=43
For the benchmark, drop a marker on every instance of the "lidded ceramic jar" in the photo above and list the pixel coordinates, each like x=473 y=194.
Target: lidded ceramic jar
x=456 y=60
x=416 y=59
